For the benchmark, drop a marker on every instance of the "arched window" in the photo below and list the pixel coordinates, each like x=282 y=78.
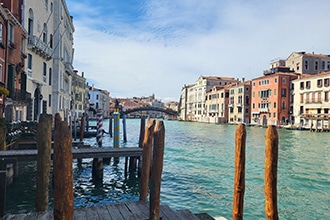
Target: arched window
x=44 y=34
x=30 y=22
x=306 y=64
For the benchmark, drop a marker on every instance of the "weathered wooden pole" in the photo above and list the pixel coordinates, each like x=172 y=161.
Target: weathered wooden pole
x=82 y=126
x=157 y=169
x=141 y=137
x=146 y=156
x=2 y=192
x=110 y=126
x=239 y=180
x=63 y=175
x=3 y=131
x=97 y=169
x=81 y=135
x=44 y=145
x=271 y=173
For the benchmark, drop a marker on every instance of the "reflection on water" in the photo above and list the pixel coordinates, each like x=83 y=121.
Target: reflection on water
x=199 y=171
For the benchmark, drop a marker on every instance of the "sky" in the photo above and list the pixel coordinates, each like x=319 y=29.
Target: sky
x=137 y=48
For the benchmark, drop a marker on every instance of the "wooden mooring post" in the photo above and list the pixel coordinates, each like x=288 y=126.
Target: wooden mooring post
x=63 y=174
x=271 y=173
x=239 y=179
x=157 y=169
x=146 y=156
x=44 y=145
x=2 y=192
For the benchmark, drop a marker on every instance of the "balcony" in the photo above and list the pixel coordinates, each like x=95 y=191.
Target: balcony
x=68 y=68
x=39 y=47
x=20 y=95
x=313 y=101
x=263 y=110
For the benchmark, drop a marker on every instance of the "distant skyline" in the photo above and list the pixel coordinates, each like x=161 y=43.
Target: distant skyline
x=139 y=48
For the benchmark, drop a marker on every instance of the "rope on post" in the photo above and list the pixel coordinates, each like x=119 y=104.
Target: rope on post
x=116 y=129
x=99 y=127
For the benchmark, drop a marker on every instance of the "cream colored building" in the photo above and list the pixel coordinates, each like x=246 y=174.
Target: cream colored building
x=308 y=63
x=311 y=100
x=239 y=105
x=49 y=57
x=197 y=96
x=79 y=99
x=38 y=20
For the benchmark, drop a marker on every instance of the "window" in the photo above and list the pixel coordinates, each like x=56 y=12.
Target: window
x=44 y=34
x=1 y=73
x=306 y=64
x=326 y=82
x=275 y=80
x=22 y=45
x=1 y=33
x=326 y=96
x=283 y=105
x=274 y=104
x=319 y=83
x=308 y=84
x=284 y=80
x=301 y=98
x=283 y=92
x=323 y=65
x=274 y=114
x=44 y=71
x=316 y=65
x=50 y=77
x=97 y=97
x=274 y=92
x=49 y=100
x=11 y=33
x=302 y=85
x=30 y=22
x=46 y=5
x=29 y=61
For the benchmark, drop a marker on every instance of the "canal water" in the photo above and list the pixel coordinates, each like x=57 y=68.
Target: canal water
x=199 y=171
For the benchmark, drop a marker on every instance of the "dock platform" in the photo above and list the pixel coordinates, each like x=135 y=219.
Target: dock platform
x=124 y=211
x=77 y=153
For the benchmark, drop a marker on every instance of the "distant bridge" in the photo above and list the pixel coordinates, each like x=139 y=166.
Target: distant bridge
x=151 y=108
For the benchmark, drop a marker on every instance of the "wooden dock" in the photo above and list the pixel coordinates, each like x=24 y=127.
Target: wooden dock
x=77 y=153
x=124 y=211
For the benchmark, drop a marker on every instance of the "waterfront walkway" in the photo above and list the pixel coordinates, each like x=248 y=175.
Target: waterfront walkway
x=124 y=211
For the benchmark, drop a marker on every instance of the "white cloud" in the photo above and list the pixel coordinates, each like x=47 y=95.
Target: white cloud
x=171 y=43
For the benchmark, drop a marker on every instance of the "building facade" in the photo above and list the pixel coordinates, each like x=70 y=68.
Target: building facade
x=62 y=59
x=217 y=104
x=311 y=100
x=271 y=100
x=197 y=96
x=308 y=63
x=239 y=103
x=13 y=37
x=79 y=99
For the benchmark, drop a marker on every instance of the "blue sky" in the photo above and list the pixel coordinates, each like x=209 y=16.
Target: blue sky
x=143 y=47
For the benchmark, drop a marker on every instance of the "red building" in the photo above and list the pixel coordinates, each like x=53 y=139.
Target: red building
x=12 y=54
x=272 y=102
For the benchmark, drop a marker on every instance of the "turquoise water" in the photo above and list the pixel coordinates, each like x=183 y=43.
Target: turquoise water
x=199 y=171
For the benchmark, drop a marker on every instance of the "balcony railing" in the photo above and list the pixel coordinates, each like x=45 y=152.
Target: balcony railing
x=263 y=109
x=40 y=47
x=68 y=68
x=313 y=101
x=20 y=95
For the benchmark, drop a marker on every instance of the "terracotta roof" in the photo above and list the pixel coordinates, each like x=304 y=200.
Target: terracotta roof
x=321 y=74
